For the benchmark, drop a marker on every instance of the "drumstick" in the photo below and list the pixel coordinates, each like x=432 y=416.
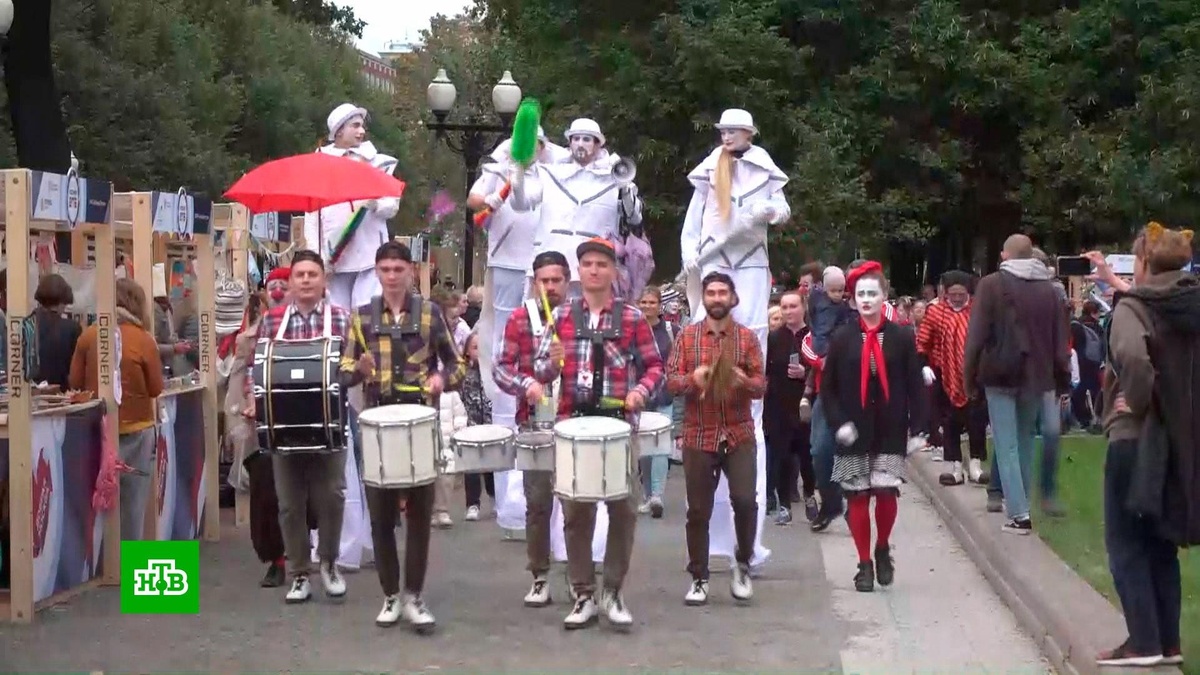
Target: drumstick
x=550 y=323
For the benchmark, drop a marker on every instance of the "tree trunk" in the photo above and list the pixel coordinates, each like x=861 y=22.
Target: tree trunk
x=37 y=121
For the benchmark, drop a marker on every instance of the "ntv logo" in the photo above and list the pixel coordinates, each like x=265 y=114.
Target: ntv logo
x=160 y=577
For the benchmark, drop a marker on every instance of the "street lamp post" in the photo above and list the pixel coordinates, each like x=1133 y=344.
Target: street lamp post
x=471 y=138
x=6 y=17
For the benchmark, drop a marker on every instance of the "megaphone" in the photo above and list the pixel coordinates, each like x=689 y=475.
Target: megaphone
x=624 y=171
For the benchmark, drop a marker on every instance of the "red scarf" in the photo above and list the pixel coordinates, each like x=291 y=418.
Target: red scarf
x=873 y=348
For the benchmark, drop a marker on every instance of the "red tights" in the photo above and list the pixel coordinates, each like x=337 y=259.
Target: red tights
x=859 y=517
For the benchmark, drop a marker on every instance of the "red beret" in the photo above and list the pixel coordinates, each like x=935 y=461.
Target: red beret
x=279 y=274
x=869 y=267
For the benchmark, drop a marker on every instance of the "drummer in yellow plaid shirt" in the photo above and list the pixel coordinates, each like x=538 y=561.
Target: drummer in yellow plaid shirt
x=402 y=352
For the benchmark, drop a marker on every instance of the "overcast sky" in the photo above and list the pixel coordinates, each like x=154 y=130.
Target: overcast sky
x=398 y=19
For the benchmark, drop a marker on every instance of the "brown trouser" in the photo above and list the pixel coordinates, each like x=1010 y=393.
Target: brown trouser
x=702 y=472
x=301 y=481
x=539 y=505
x=579 y=528
x=382 y=505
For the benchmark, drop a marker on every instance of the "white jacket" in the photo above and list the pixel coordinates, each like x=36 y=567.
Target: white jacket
x=360 y=253
x=510 y=233
x=453 y=417
x=577 y=203
x=757 y=189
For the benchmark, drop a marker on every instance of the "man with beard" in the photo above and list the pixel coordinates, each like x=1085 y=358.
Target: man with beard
x=717 y=366
x=514 y=375
x=579 y=196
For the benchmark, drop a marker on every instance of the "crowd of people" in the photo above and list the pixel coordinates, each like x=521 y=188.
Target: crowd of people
x=811 y=397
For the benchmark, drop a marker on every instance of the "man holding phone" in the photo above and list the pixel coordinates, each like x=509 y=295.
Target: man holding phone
x=788 y=452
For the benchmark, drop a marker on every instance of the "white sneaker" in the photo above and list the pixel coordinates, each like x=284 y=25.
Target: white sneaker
x=415 y=613
x=583 y=614
x=697 y=594
x=644 y=508
x=740 y=586
x=975 y=470
x=331 y=578
x=539 y=593
x=441 y=521
x=299 y=592
x=614 y=608
x=390 y=613
x=472 y=514
x=656 y=507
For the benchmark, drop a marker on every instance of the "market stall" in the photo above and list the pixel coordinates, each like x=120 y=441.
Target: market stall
x=58 y=545
x=163 y=228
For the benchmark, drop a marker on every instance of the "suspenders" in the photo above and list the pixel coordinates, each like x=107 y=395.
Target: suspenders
x=598 y=337
x=399 y=352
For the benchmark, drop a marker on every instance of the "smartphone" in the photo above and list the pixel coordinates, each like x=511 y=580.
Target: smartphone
x=1074 y=266
x=794 y=359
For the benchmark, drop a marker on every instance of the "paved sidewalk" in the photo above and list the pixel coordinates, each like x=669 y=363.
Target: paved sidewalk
x=939 y=616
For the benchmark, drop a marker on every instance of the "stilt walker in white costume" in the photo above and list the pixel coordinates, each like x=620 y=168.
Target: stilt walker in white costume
x=739 y=195
x=347 y=236
x=510 y=237
x=580 y=197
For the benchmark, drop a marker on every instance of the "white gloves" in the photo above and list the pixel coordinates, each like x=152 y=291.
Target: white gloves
x=846 y=434
x=629 y=195
x=494 y=201
x=916 y=444
x=761 y=213
x=387 y=208
x=928 y=376
x=691 y=266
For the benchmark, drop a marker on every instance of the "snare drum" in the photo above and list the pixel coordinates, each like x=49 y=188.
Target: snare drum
x=654 y=434
x=592 y=459
x=535 y=451
x=399 y=445
x=483 y=448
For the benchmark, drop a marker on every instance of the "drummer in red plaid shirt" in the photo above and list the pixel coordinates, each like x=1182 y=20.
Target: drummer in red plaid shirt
x=718 y=430
x=625 y=372
x=513 y=373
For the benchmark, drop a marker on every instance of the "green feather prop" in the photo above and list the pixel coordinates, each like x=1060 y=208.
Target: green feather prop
x=525 y=132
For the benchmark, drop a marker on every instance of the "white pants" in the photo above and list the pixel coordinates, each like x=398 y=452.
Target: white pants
x=356 y=520
x=351 y=290
x=753 y=285
x=504 y=291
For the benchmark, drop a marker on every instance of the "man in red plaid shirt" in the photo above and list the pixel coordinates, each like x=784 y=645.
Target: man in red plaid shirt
x=718 y=430
x=629 y=369
x=513 y=374
x=319 y=477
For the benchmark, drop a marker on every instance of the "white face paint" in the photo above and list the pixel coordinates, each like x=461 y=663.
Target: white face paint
x=868 y=297
x=735 y=139
x=584 y=148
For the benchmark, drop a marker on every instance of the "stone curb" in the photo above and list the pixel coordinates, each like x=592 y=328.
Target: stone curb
x=1068 y=620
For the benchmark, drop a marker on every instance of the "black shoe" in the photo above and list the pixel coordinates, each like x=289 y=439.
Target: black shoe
x=822 y=522
x=274 y=577
x=995 y=502
x=885 y=566
x=864 y=581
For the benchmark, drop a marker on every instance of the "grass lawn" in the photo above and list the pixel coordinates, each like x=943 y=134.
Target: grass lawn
x=1079 y=537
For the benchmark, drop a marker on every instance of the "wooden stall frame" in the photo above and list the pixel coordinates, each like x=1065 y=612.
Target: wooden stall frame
x=234 y=221
x=18 y=222
x=145 y=242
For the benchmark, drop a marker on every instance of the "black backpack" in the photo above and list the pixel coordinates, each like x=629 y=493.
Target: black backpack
x=1002 y=363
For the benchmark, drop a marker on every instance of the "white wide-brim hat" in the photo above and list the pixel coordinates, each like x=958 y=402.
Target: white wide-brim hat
x=342 y=114
x=584 y=127
x=736 y=118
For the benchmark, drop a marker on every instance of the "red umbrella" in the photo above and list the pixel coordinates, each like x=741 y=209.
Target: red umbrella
x=311 y=181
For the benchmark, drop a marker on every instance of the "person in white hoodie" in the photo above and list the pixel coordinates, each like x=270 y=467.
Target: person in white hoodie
x=352 y=281
x=738 y=197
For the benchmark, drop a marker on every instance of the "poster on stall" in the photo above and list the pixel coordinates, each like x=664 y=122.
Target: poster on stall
x=67 y=531
x=180 y=467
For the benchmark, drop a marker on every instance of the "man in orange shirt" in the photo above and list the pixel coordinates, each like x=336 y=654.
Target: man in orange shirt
x=718 y=429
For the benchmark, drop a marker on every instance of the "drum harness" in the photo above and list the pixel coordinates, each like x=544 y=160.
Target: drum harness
x=594 y=406
x=396 y=334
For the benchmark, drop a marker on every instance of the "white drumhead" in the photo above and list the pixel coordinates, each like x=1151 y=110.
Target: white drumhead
x=483 y=433
x=591 y=427
x=535 y=439
x=406 y=412
x=652 y=422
